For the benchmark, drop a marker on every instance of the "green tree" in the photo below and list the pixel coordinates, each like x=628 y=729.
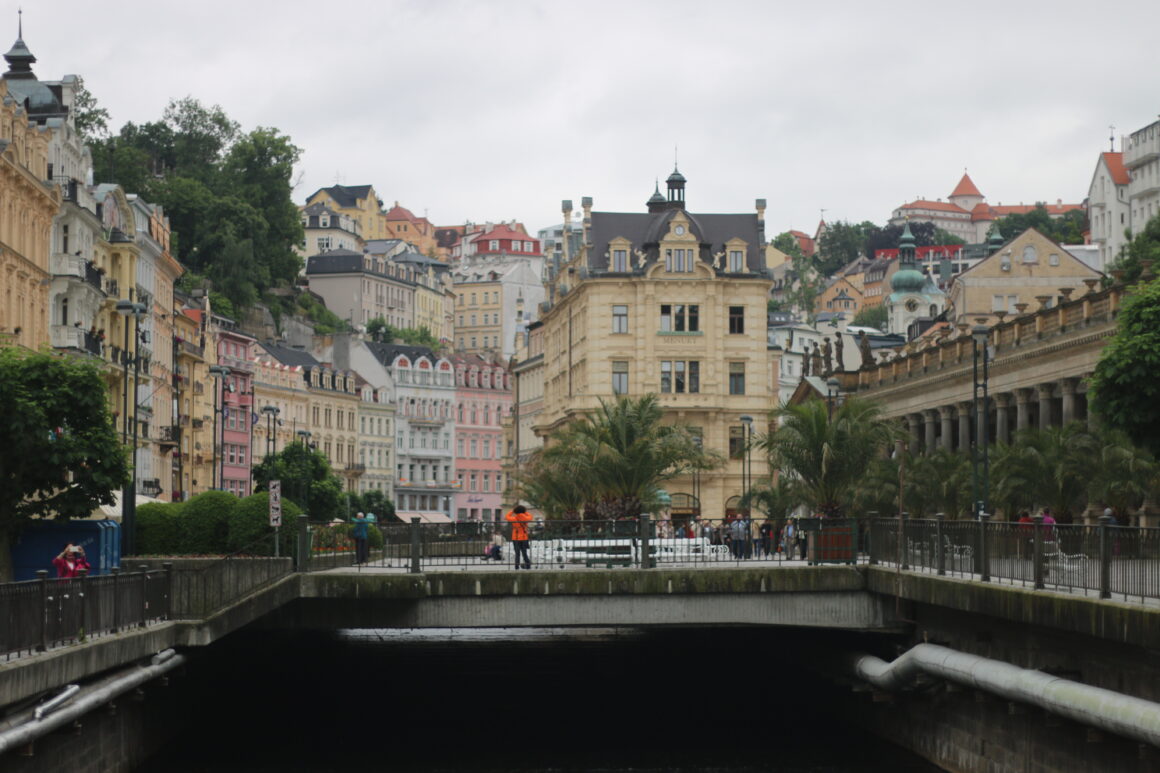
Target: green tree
x=306 y=478
x=789 y=244
x=943 y=238
x=618 y=457
x=1054 y=465
x=840 y=244
x=871 y=316
x=1124 y=390
x=419 y=336
x=380 y=331
x=1121 y=474
x=1068 y=229
x=804 y=287
x=91 y=120
x=249 y=527
x=824 y=455
x=939 y=482
x=203 y=523
x=59 y=453
x=1144 y=246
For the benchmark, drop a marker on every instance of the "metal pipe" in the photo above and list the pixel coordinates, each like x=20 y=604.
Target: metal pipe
x=22 y=735
x=1114 y=712
x=52 y=705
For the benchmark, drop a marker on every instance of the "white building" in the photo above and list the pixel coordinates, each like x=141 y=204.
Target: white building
x=1108 y=207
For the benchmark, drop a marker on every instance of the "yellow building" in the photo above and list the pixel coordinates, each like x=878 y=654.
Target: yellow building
x=1026 y=273
x=27 y=207
x=193 y=394
x=669 y=303
x=281 y=387
x=359 y=202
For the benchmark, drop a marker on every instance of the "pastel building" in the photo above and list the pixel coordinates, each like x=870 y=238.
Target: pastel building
x=483 y=399
x=235 y=400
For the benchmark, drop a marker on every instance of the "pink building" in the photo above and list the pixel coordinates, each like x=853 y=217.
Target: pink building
x=483 y=398
x=235 y=419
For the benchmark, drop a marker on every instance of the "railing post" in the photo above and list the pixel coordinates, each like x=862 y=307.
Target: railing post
x=984 y=564
x=42 y=575
x=303 y=548
x=1105 y=558
x=168 y=566
x=116 y=572
x=1037 y=552
x=871 y=543
x=144 y=593
x=416 y=566
x=940 y=553
x=84 y=583
x=643 y=523
x=903 y=542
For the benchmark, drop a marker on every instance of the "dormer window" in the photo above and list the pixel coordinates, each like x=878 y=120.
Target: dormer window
x=736 y=261
x=679 y=261
x=324 y=221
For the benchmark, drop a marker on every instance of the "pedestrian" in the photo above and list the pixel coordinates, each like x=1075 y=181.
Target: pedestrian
x=787 y=539
x=360 y=538
x=739 y=536
x=519 y=517
x=799 y=535
x=1026 y=536
x=495 y=549
x=766 y=532
x=71 y=561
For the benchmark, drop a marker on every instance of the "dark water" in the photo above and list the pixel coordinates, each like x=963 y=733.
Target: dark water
x=727 y=700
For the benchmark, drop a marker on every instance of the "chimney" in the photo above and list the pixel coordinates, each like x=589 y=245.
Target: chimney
x=566 y=208
x=586 y=203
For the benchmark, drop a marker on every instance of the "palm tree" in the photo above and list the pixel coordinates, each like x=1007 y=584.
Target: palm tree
x=616 y=459
x=1056 y=464
x=777 y=500
x=825 y=452
x=938 y=482
x=1122 y=474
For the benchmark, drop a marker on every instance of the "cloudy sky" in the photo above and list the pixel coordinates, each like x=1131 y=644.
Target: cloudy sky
x=496 y=110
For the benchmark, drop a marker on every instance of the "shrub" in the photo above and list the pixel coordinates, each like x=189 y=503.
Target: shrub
x=158 y=528
x=204 y=522
x=250 y=521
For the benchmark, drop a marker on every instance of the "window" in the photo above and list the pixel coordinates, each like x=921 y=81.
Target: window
x=736 y=261
x=619 y=319
x=679 y=318
x=474 y=481
x=620 y=260
x=737 y=378
x=323 y=243
x=736 y=442
x=998 y=303
x=736 y=320
x=1030 y=255
x=493 y=245
x=679 y=261
x=619 y=378
x=678 y=376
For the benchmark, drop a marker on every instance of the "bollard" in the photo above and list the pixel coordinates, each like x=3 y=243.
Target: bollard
x=984 y=564
x=1037 y=552
x=167 y=613
x=116 y=572
x=643 y=522
x=940 y=553
x=42 y=575
x=1105 y=557
x=303 y=544
x=416 y=566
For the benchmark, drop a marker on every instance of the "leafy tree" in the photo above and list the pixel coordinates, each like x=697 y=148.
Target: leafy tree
x=249 y=522
x=616 y=459
x=887 y=238
x=1121 y=474
x=871 y=316
x=306 y=478
x=158 y=529
x=1124 y=390
x=552 y=485
x=943 y=238
x=203 y=524
x=1054 y=465
x=776 y=500
x=380 y=331
x=375 y=501
x=1144 y=246
x=826 y=455
x=804 y=287
x=939 y=482
x=1068 y=229
x=91 y=120
x=59 y=452
x=789 y=244
x=841 y=243
x=420 y=336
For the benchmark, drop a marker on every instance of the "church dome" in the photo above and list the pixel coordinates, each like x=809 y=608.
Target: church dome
x=907 y=280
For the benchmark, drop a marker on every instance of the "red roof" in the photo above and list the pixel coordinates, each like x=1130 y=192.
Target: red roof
x=1022 y=209
x=503 y=232
x=965 y=188
x=805 y=243
x=400 y=213
x=1115 y=162
x=942 y=206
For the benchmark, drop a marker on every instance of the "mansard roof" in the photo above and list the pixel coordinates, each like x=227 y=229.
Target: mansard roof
x=644 y=230
x=346 y=195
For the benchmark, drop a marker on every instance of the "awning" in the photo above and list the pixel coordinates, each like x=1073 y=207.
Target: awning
x=406 y=517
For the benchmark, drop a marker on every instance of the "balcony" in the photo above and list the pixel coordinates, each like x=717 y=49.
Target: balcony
x=170 y=435
x=151 y=487
x=356 y=469
x=1142 y=146
x=75 y=338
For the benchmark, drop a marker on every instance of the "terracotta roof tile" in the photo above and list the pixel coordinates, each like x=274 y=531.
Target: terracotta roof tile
x=1115 y=162
x=965 y=187
x=942 y=206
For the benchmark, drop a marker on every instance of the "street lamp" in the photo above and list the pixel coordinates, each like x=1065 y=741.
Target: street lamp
x=219 y=372
x=980 y=335
x=129 y=493
x=271 y=412
x=746 y=461
x=304 y=438
x=832 y=388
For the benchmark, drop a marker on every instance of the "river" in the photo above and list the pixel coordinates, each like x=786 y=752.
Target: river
x=721 y=701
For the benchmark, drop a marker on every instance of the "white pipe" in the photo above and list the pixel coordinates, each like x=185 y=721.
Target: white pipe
x=28 y=732
x=50 y=706
x=1115 y=712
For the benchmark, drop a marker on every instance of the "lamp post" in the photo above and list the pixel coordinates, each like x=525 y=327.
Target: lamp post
x=980 y=335
x=746 y=461
x=271 y=412
x=304 y=438
x=129 y=492
x=219 y=372
x=832 y=388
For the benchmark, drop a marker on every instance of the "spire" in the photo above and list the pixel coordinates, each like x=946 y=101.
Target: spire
x=20 y=59
x=676 y=183
x=994 y=240
x=656 y=202
x=966 y=187
x=906 y=245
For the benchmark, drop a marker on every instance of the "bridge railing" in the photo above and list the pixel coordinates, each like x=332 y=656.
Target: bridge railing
x=42 y=613
x=1112 y=562
x=615 y=543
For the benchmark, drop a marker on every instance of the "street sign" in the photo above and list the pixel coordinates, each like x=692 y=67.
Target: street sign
x=275 y=503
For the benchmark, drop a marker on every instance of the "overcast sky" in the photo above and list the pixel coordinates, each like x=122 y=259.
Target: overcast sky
x=496 y=110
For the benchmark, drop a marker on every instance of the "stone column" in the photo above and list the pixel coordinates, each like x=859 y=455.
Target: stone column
x=964 y=410
x=1002 y=431
x=1022 y=412
x=1067 y=389
x=928 y=417
x=912 y=421
x=946 y=414
x=1046 y=391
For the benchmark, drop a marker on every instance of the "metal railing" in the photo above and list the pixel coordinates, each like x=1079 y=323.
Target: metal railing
x=42 y=613
x=1110 y=562
x=419 y=546
x=202 y=587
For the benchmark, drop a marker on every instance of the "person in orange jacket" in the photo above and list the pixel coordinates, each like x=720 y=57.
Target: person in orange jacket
x=519 y=518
